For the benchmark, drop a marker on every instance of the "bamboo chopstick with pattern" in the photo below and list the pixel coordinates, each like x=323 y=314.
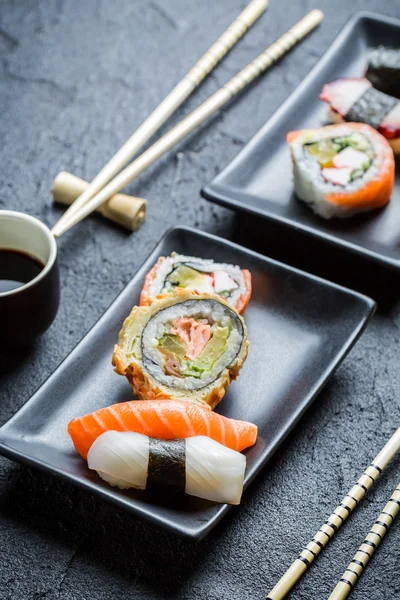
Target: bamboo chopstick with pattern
x=175 y=98
x=367 y=548
x=337 y=518
x=198 y=116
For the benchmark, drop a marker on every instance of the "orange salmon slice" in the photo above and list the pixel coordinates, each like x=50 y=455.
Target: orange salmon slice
x=164 y=419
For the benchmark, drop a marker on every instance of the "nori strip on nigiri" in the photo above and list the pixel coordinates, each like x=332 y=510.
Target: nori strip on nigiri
x=371 y=108
x=167 y=464
x=383 y=70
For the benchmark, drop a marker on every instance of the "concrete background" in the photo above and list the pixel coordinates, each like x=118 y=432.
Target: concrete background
x=76 y=78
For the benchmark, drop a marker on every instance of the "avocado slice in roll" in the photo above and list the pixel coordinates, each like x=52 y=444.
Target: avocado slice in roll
x=183 y=346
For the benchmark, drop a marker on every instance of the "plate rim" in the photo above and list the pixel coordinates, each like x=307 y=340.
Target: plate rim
x=217 y=193
x=200 y=531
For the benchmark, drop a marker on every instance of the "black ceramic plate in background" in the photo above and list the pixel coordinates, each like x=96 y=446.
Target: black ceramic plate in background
x=259 y=179
x=300 y=328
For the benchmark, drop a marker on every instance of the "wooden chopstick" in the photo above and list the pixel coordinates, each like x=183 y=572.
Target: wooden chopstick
x=337 y=518
x=170 y=104
x=198 y=116
x=368 y=547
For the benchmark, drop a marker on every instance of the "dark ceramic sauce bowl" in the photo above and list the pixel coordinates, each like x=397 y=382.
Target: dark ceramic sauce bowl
x=27 y=311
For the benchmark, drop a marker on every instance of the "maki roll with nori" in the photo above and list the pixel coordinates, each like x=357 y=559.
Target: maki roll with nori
x=198 y=466
x=355 y=100
x=342 y=170
x=200 y=275
x=383 y=70
x=183 y=346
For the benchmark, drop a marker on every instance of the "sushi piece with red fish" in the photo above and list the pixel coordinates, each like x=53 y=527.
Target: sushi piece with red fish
x=183 y=345
x=355 y=100
x=163 y=419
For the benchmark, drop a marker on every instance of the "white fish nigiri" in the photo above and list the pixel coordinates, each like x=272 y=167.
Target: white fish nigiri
x=210 y=470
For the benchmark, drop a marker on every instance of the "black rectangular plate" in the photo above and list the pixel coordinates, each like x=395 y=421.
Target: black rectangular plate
x=300 y=328
x=259 y=179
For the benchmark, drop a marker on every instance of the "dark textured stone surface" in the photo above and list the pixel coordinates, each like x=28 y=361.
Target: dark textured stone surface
x=76 y=79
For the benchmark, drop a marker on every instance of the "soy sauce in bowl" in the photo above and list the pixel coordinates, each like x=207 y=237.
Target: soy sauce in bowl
x=17 y=268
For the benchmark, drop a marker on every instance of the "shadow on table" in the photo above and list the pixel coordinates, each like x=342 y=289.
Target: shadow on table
x=320 y=258
x=101 y=537
x=10 y=360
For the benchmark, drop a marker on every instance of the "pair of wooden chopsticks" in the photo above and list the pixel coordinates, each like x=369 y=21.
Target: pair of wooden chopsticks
x=108 y=182
x=337 y=518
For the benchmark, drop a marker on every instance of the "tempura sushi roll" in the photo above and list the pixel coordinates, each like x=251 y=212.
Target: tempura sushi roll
x=342 y=170
x=383 y=70
x=198 y=466
x=204 y=276
x=183 y=346
x=355 y=100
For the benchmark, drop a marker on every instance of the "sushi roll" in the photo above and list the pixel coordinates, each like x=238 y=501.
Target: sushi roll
x=342 y=170
x=383 y=70
x=355 y=100
x=164 y=419
x=184 y=345
x=200 y=275
x=198 y=466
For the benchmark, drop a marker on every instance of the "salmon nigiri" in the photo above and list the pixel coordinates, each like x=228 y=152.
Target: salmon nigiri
x=342 y=170
x=164 y=419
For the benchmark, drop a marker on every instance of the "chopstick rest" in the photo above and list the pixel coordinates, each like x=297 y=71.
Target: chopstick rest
x=337 y=518
x=368 y=547
x=128 y=211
